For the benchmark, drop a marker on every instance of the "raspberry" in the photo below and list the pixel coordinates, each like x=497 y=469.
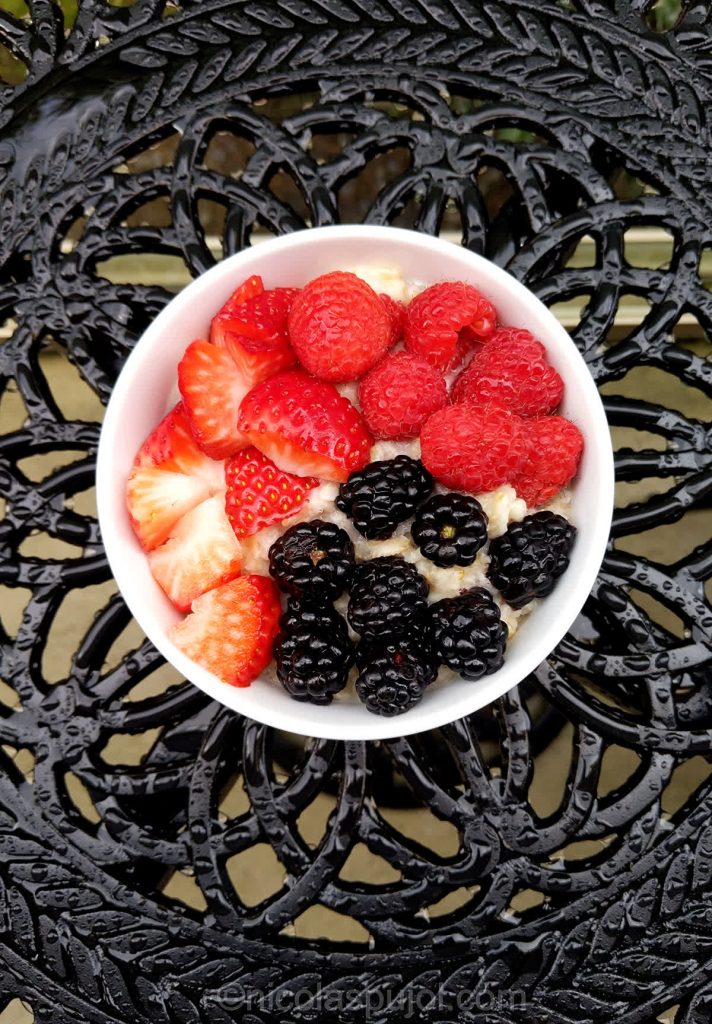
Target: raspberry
x=473 y=448
x=529 y=387
x=441 y=322
x=396 y=316
x=339 y=327
x=509 y=343
x=553 y=450
x=399 y=394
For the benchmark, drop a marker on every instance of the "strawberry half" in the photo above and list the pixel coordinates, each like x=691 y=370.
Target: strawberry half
x=305 y=426
x=212 y=388
x=259 y=494
x=254 y=332
x=157 y=498
x=231 y=629
x=201 y=552
x=172 y=447
x=170 y=476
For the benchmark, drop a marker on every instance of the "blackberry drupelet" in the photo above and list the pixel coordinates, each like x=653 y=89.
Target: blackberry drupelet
x=388 y=597
x=467 y=633
x=313 y=653
x=528 y=559
x=384 y=494
x=450 y=529
x=312 y=561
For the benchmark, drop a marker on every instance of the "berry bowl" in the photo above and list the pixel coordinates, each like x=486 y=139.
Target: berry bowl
x=148 y=450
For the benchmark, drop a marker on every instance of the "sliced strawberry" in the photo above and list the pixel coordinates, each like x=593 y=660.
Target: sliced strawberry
x=172 y=446
x=201 y=552
x=259 y=494
x=305 y=426
x=249 y=288
x=212 y=388
x=157 y=498
x=254 y=332
x=231 y=629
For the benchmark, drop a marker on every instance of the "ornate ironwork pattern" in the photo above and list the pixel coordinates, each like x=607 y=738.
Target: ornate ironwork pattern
x=531 y=126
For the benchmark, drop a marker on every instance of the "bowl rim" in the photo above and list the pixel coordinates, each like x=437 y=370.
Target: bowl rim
x=381 y=728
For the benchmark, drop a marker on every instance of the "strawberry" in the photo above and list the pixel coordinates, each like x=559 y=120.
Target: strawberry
x=259 y=494
x=444 y=321
x=156 y=500
x=249 y=288
x=339 y=327
x=252 y=327
x=212 y=388
x=172 y=447
x=231 y=629
x=201 y=552
x=305 y=426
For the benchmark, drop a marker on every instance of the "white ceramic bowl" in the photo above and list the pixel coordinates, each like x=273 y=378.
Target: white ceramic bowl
x=145 y=391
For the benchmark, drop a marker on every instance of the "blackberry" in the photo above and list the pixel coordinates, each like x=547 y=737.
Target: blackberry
x=390 y=687
x=388 y=597
x=410 y=649
x=467 y=633
x=312 y=561
x=313 y=653
x=528 y=559
x=450 y=529
x=313 y=617
x=384 y=494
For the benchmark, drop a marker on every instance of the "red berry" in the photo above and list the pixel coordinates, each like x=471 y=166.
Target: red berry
x=396 y=316
x=473 y=448
x=259 y=494
x=157 y=498
x=305 y=426
x=553 y=451
x=509 y=343
x=170 y=476
x=399 y=394
x=252 y=327
x=443 y=320
x=201 y=552
x=212 y=388
x=339 y=327
x=511 y=370
x=172 y=447
x=231 y=629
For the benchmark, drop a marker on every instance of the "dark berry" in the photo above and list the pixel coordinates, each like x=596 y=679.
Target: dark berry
x=528 y=559
x=393 y=677
x=467 y=633
x=408 y=649
x=450 y=529
x=312 y=561
x=313 y=653
x=313 y=617
x=384 y=494
x=414 y=645
x=388 y=597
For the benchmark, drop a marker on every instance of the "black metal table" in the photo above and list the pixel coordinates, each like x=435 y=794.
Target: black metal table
x=589 y=123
